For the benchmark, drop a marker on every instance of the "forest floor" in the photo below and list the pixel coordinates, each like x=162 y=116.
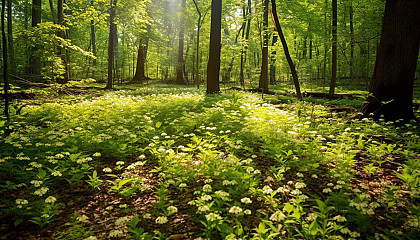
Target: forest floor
x=170 y=162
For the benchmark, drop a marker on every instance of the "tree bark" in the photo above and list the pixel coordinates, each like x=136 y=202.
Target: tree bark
x=286 y=49
x=93 y=39
x=334 y=48
x=35 y=61
x=197 y=57
x=180 y=66
x=273 y=60
x=11 y=51
x=351 y=41
x=391 y=87
x=62 y=52
x=5 y=66
x=244 y=50
x=140 y=76
x=213 y=66
x=111 y=44
x=264 y=63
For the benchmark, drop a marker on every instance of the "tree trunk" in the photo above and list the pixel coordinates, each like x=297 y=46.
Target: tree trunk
x=391 y=87
x=264 y=63
x=5 y=70
x=273 y=61
x=213 y=66
x=111 y=44
x=35 y=61
x=351 y=41
x=197 y=57
x=62 y=52
x=286 y=49
x=93 y=39
x=140 y=76
x=244 y=50
x=180 y=66
x=334 y=48
x=11 y=51
x=52 y=11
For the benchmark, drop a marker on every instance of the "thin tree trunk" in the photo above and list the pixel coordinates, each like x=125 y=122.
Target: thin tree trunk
x=180 y=66
x=52 y=11
x=273 y=61
x=35 y=61
x=244 y=51
x=93 y=39
x=213 y=66
x=5 y=68
x=334 y=48
x=111 y=45
x=286 y=50
x=197 y=57
x=11 y=51
x=264 y=62
x=61 y=33
x=351 y=41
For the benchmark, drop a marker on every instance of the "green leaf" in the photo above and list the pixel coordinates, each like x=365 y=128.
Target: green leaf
x=158 y=124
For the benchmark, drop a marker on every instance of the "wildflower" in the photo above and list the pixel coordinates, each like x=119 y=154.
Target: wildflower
x=50 y=199
x=120 y=163
x=253 y=156
x=56 y=174
x=246 y=200
x=247 y=212
x=213 y=216
x=45 y=216
x=354 y=234
x=36 y=183
x=35 y=164
x=172 y=210
x=109 y=208
x=142 y=156
x=249 y=169
x=223 y=195
x=300 y=185
x=123 y=206
x=182 y=185
x=345 y=230
x=107 y=170
x=206 y=197
x=299 y=174
x=97 y=154
x=41 y=191
x=314 y=176
x=115 y=234
x=311 y=217
x=21 y=201
x=204 y=208
x=147 y=216
x=267 y=189
x=82 y=218
x=121 y=221
x=277 y=216
x=161 y=220
x=339 y=218
x=235 y=210
x=207 y=188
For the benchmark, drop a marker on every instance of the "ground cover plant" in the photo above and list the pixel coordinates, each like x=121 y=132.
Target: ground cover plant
x=166 y=162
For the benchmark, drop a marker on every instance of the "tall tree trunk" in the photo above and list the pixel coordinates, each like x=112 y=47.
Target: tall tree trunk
x=351 y=41
x=11 y=51
x=264 y=63
x=111 y=44
x=213 y=65
x=197 y=50
x=93 y=39
x=35 y=61
x=62 y=52
x=180 y=66
x=326 y=36
x=52 y=11
x=334 y=48
x=140 y=76
x=273 y=60
x=391 y=87
x=244 y=50
x=286 y=49
x=5 y=70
